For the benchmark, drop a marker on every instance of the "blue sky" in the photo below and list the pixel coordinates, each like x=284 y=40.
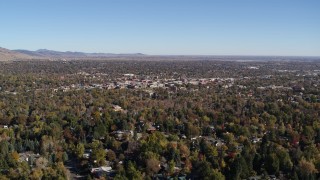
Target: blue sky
x=171 y=27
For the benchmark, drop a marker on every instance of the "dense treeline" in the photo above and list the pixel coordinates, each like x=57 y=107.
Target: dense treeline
x=195 y=132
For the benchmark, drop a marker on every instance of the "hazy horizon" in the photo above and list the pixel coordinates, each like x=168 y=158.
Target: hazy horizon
x=232 y=55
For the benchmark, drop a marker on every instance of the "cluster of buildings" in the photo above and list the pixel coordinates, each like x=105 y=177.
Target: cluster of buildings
x=132 y=81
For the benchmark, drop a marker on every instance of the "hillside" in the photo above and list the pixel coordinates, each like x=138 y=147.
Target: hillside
x=8 y=55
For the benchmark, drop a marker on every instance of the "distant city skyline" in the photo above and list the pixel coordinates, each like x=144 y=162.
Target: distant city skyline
x=166 y=27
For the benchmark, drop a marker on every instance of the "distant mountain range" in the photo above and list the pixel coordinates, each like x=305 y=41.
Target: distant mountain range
x=44 y=54
x=7 y=55
x=68 y=54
